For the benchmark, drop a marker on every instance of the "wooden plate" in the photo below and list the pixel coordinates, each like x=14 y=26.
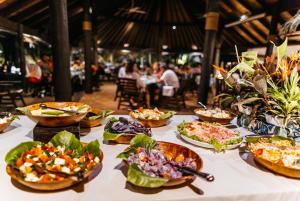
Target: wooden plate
x=56 y=121
x=223 y=121
x=53 y=185
x=151 y=123
x=173 y=150
x=279 y=169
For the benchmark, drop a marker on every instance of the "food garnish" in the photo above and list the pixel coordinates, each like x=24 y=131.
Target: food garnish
x=216 y=135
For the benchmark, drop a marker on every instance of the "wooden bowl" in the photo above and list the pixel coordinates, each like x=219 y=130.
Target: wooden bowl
x=4 y=126
x=56 y=121
x=173 y=150
x=52 y=185
x=123 y=139
x=279 y=169
x=151 y=123
x=85 y=123
x=223 y=121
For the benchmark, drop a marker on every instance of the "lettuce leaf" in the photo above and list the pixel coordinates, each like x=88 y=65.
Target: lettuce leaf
x=109 y=136
x=24 y=110
x=140 y=140
x=53 y=112
x=93 y=148
x=67 y=140
x=138 y=178
x=16 y=152
x=167 y=115
x=104 y=114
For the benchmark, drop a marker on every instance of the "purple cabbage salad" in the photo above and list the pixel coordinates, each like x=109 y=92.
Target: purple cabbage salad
x=125 y=126
x=155 y=164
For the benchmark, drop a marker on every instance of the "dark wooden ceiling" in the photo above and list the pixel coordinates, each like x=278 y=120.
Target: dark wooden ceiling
x=116 y=26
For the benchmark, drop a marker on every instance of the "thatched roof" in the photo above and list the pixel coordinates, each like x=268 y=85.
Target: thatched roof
x=179 y=24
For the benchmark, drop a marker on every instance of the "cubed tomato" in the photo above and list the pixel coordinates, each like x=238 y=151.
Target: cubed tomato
x=29 y=160
x=258 y=152
x=165 y=174
x=82 y=159
x=35 y=151
x=43 y=158
x=141 y=109
x=46 y=178
x=19 y=162
x=179 y=158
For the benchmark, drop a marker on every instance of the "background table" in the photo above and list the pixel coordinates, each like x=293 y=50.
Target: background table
x=237 y=176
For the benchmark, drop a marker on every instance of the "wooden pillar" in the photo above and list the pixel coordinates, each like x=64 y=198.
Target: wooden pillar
x=275 y=12
x=211 y=28
x=87 y=29
x=61 y=50
x=21 y=54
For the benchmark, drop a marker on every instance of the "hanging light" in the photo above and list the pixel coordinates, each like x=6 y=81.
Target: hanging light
x=164 y=47
x=126 y=45
x=173 y=27
x=194 y=47
x=243 y=17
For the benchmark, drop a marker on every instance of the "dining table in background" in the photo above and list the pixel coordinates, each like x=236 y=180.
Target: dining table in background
x=146 y=80
x=237 y=177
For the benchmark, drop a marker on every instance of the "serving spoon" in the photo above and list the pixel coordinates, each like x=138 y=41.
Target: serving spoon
x=202 y=105
x=44 y=106
x=190 y=171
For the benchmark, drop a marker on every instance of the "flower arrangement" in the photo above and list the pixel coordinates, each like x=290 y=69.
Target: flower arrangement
x=270 y=88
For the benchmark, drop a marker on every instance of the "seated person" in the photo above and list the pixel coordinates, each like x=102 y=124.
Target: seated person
x=169 y=77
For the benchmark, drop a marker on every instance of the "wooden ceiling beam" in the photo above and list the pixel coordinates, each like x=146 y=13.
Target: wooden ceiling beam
x=43 y=17
x=14 y=26
x=31 y=12
x=18 y=7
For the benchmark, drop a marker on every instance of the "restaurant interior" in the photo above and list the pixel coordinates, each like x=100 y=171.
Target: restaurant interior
x=167 y=100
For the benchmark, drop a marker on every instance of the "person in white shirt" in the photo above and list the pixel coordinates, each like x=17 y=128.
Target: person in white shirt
x=122 y=72
x=169 y=78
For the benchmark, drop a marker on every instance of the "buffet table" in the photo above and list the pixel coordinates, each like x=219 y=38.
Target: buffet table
x=237 y=177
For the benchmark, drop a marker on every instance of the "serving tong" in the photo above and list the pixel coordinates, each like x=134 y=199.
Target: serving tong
x=44 y=106
x=209 y=177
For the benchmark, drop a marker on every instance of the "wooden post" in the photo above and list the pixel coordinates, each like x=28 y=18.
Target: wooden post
x=87 y=29
x=61 y=50
x=275 y=11
x=211 y=28
x=21 y=54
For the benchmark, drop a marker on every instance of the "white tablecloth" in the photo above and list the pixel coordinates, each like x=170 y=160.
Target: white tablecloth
x=236 y=178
